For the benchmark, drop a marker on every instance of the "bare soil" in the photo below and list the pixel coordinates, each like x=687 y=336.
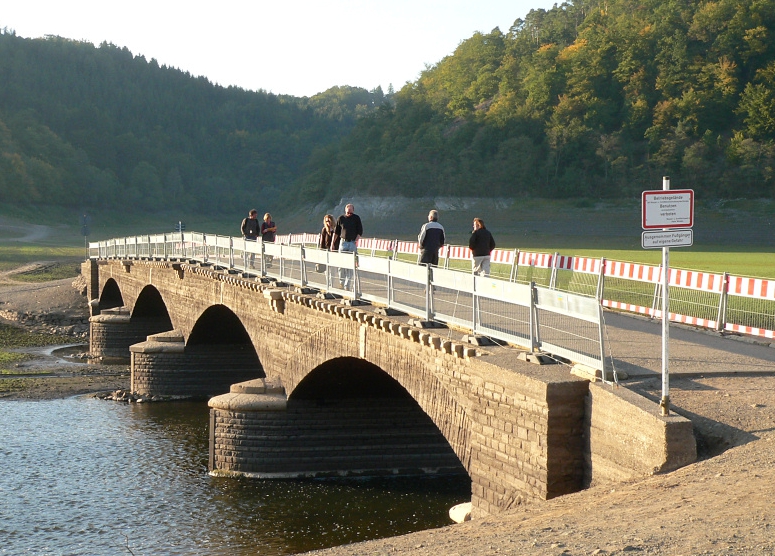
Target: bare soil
x=60 y=308
x=720 y=505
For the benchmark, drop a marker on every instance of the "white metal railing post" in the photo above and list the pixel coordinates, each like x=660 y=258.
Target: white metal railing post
x=303 y=265
x=514 y=267
x=231 y=253
x=657 y=291
x=447 y=249
x=263 y=257
x=535 y=337
x=599 y=291
x=428 y=294
x=356 y=277
x=721 y=318
x=553 y=276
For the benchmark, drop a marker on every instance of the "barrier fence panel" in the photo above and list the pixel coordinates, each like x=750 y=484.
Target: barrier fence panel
x=750 y=306
x=504 y=311
x=452 y=299
x=316 y=268
x=196 y=246
x=630 y=287
x=578 y=275
x=695 y=297
x=570 y=325
x=409 y=288
x=238 y=253
x=374 y=278
x=218 y=251
x=534 y=268
x=252 y=254
x=502 y=263
x=291 y=264
x=341 y=273
x=270 y=262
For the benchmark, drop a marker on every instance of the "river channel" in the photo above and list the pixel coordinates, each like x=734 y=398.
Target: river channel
x=87 y=476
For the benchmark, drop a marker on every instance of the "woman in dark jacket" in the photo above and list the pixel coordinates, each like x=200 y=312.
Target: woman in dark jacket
x=327 y=233
x=481 y=244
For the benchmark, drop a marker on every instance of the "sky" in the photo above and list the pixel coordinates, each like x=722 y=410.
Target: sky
x=294 y=47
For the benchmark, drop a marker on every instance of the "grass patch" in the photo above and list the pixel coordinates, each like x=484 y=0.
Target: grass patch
x=8 y=358
x=13 y=337
x=54 y=271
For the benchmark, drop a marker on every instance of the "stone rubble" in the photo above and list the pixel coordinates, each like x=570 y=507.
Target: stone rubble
x=127 y=396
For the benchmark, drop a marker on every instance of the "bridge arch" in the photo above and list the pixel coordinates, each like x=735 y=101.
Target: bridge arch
x=110 y=297
x=392 y=363
x=218 y=353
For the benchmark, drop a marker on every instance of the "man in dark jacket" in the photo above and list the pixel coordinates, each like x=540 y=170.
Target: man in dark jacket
x=431 y=239
x=481 y=244
x=249 y=229
x=347 y=231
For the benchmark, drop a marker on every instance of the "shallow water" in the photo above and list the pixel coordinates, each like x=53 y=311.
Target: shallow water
x=86 y=476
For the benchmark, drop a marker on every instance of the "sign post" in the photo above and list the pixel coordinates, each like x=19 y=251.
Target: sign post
x=667 y=211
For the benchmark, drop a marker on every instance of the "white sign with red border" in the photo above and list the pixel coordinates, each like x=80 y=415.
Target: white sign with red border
x=667 y=208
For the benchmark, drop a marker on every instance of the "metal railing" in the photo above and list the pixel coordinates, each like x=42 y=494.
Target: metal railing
x=536 y=317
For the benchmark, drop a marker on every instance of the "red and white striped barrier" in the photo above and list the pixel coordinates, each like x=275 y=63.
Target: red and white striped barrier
x=407 y=247
x=751 y=287
x=538 y=260
x=586 y=265
x=633 y=271
x=502 y=256
x=458 y=253
x=702 y=281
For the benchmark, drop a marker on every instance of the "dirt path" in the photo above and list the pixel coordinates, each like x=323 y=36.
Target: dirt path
x=27 y=233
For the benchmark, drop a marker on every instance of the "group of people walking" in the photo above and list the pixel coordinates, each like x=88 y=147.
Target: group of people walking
x=431 y=240
x=251 y=229
x=343 y=233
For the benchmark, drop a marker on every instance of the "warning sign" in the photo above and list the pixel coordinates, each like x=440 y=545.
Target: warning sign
x=668 y=209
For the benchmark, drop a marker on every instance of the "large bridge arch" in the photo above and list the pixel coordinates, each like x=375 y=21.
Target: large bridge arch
x=396 y=358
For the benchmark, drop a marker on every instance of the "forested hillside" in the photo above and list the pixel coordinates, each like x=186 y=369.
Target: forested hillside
x=85 y=126
x=592 y=98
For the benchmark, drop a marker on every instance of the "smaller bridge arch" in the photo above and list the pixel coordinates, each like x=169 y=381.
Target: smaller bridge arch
x=218 y=353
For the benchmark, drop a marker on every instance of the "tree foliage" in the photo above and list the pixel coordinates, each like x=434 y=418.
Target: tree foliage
x=88 y=126
x=586 y=99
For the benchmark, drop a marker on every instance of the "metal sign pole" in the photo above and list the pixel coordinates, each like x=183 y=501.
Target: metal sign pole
x=665 y=403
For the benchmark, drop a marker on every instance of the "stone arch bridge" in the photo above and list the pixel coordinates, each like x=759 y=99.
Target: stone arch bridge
x=304 y=386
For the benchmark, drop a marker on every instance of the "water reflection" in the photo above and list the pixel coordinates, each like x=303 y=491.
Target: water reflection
x=84 y=476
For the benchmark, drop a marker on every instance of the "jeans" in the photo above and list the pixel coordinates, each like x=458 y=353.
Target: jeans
x=345 y=274
x=481 y=265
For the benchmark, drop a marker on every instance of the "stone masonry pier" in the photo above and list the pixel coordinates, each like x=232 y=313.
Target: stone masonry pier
x=304 y=386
